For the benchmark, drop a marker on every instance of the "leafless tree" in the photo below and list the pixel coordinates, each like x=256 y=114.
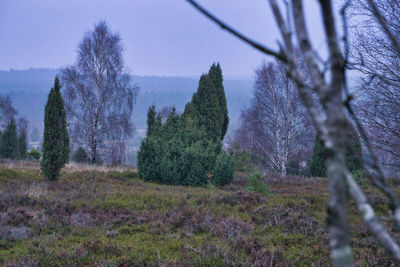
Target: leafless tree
x=276 y=126
x=99 y=96
x=328 y=81
x=379 y=62
x=7 y=111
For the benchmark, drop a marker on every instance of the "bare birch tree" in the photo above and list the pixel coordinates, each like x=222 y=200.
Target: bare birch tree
x=7 y=111
x=329 y=83
x=276 y=124
x=99 y=96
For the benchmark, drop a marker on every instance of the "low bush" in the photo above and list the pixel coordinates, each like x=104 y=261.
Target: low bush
x=34 y=154
x=242 y=159
x=224 y=169
x=80 y=156
x=256 y=184
x=361 y=178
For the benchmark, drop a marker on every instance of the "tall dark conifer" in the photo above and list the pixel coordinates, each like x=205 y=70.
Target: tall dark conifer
x=151 y=120
x=215 y=75
x=208 y=106
x=55 y=138
x=317 y=163
x=9 y=141
x=22 y=146
x=1 y=140
x=353 y=154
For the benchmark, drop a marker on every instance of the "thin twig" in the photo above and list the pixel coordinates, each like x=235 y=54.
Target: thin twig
x=375 y=173
x=279 y=55
x=383 y=23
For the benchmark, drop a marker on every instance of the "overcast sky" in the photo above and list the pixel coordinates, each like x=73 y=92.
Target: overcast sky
x=160 y=37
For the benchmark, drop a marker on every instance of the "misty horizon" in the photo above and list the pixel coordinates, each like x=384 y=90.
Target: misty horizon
x=159 y=38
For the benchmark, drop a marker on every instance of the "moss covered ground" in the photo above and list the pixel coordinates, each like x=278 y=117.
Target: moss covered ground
x=112 y=218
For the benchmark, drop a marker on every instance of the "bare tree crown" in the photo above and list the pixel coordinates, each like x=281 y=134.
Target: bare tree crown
x=99 y=96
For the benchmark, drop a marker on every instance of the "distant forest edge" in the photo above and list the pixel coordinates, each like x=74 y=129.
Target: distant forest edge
x=28 y=90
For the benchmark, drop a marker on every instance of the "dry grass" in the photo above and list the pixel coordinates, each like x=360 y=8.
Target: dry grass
x=19 y=164
x=74 y=167
x=96 y=217
x=70 y=167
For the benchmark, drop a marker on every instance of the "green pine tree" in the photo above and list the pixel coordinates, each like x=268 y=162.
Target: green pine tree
x=151 y=120
x=354 y=150
x=185 y=149
x=317 y=163
x=1 y=140
x=22 y=146
x=205 y=109
x=208 y=107
x=55 y=138
x=9 y=141
x=353 y=155
x=215 y=74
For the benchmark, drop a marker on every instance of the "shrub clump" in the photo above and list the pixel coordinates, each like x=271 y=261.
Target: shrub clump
x=176 y=152
x=34 y=154
x=353 y=154
x=361 y=178
x=242 y=158
x=80 y=156
x=186 y=149
x=255 y=183
x=224 y=169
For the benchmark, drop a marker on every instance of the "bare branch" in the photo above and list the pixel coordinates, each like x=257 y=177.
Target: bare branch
x=239 y=35
x=375 y=172
x=384 y=24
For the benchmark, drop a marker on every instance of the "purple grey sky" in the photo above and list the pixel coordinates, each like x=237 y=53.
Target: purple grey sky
x=160 y=37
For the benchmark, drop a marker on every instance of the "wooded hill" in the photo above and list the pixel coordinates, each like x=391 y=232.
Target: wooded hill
x=28 y=90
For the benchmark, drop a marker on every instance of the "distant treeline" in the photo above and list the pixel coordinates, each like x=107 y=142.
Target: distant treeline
x=28 y=90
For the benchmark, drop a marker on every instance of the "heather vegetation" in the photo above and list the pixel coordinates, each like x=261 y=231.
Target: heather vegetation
x=94 y=217
x=298 y=183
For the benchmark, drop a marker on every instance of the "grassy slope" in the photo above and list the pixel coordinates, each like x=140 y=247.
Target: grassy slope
x=113 y=218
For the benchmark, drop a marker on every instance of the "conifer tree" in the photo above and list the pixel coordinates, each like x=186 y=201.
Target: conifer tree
x=1 y=140
x=317 y=163
x=22 y=146
x=353 y=154
x=354 y=150
x=215 y=74
x=208 y=106
x=205 y=108
x=151 y=120
x=185 y=149
x=9 y=141
x=55 y=138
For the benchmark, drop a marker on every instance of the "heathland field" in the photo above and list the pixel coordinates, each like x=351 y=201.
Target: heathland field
x=109 y=217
